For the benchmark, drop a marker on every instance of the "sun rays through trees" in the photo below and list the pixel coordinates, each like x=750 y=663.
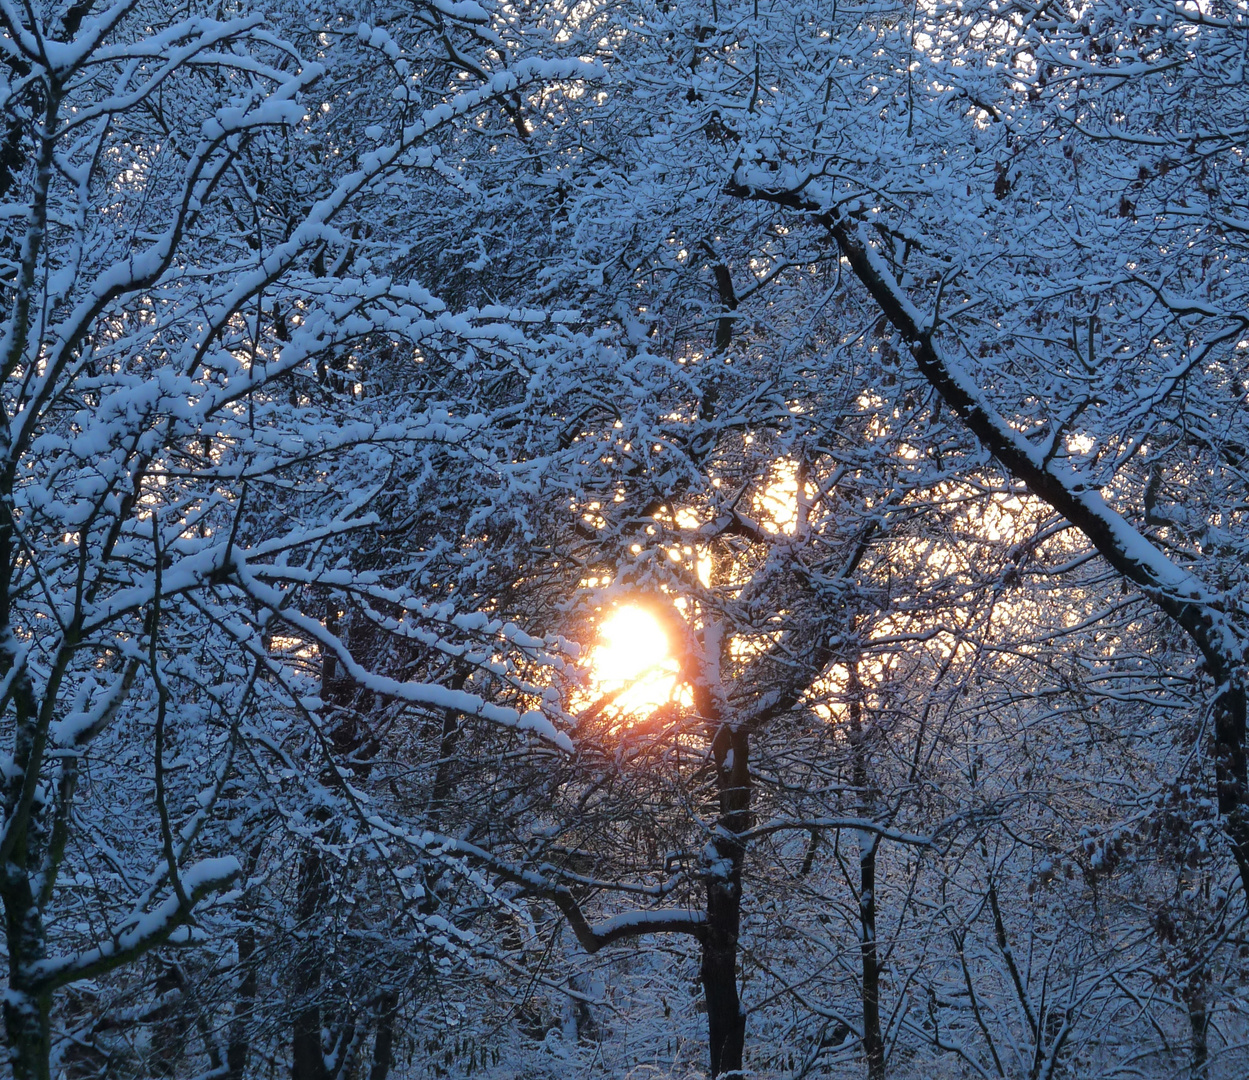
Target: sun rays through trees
x=624 y=539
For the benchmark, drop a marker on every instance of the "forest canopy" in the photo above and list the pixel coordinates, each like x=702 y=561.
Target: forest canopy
x=566 y=539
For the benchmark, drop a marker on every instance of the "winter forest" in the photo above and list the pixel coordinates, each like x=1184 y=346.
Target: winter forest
x=649 y=540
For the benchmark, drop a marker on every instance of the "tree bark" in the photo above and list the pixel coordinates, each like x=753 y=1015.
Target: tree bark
x=308 y=1057
x=384 y=1044
x=873 y=1042
x=26 y=1019
x=444 y=772
x=239 y=1045
x=726 y=1022
x=1199 y=1024
x=26 y=1006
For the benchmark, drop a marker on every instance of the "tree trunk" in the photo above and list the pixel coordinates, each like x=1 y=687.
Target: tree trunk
x=308 y=1056
x=28 y=1027
x=873 y=1042
x=443 y=772
x=726 y=1022
x=26 y=1007
x=1199 y=1023
x=240 y=1041
x=169 y=1025
x=384 y=1045
x=307 y=1051
x=1230 y=767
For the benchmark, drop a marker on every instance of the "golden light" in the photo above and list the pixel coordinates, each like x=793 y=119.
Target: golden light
x=633 y=663
x=777 y=504
x=688 y=519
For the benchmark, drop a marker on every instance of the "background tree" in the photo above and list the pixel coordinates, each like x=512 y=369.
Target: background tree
x=181 y=480
x=358 y=361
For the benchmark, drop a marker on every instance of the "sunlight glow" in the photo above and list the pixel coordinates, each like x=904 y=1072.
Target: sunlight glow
x=777 y=505
x=689 y=520
x=633 y=662
x=633 y=645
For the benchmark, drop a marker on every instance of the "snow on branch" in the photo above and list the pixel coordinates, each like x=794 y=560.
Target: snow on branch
x=141 y=932
x=590 y=936
x=864 y=825
x=1200 y=610
x=439 y=697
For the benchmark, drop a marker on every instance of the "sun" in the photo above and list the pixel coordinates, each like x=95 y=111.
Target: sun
x=632 y=645
x=632 y=662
